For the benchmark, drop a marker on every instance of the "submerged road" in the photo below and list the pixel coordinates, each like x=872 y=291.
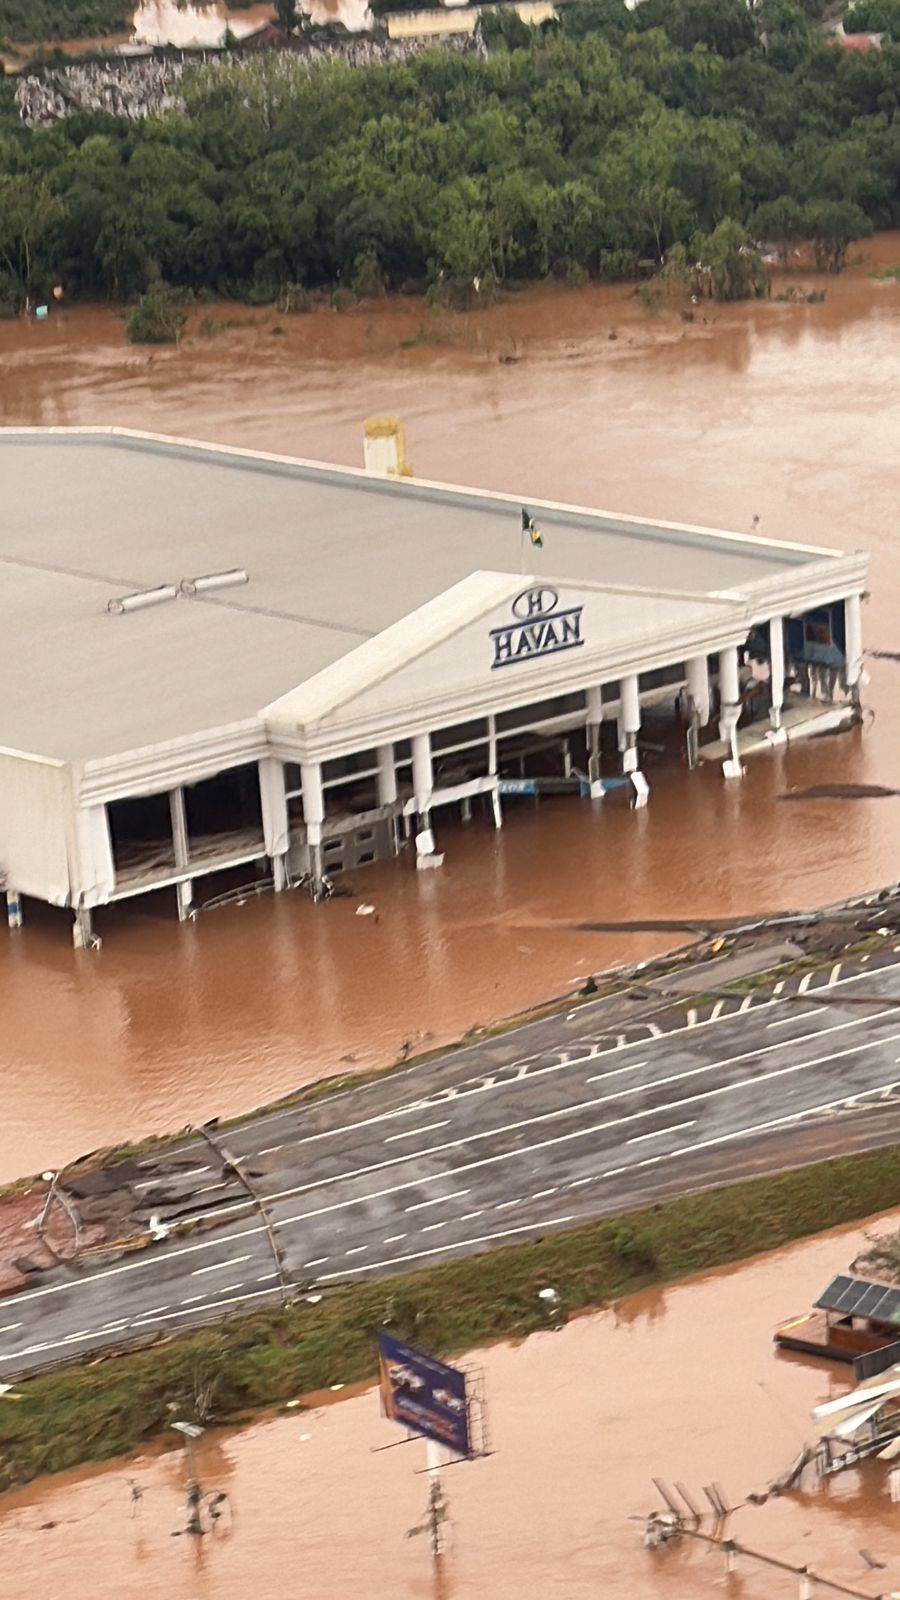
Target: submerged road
x=552 y=1125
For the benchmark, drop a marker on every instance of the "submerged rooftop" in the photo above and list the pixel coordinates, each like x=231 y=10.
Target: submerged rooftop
x=334 y=557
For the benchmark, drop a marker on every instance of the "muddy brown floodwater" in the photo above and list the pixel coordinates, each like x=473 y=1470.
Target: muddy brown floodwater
x=786 y=411
x=682 y=1383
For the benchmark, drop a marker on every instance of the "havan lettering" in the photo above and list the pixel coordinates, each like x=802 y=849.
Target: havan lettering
x=543 y=636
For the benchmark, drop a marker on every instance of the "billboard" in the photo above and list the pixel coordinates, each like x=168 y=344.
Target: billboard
x=423 y=1394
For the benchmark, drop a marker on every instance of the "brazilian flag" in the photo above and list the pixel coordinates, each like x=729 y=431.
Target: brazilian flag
x=533 y=532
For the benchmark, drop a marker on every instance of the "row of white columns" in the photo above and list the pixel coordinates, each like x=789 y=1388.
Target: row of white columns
x=276 y=826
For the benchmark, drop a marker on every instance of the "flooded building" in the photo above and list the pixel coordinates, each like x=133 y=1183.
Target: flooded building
x=219 y=659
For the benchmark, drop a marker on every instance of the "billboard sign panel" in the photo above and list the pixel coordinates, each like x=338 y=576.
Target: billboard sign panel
x=423 y=1394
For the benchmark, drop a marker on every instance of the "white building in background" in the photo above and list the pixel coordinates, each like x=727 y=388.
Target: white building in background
x=217 y=659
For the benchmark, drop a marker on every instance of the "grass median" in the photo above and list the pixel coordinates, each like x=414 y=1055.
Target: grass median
x=224 y=1375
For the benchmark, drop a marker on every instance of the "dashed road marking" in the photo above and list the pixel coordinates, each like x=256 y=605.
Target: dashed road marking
x=395 y=1238
x=692 y=1017
x=542 y=1194
x=433 y=1226
x=230 y=1288
x=439 y=1200
x=319 y=1262
x=834 y=973
x=657 y=1133
x=356 y=1250
x=221 y=1266
x=191 y=1299
x=270 y=1150
x=410 y=1133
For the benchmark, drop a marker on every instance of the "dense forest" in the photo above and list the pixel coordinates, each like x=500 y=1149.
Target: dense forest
x=684 y=132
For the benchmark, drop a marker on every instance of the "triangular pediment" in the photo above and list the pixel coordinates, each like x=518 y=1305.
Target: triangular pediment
x=490 y=634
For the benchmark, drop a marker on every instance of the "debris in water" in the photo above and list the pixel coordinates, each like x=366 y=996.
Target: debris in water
x=365 y=910
x=841 y=791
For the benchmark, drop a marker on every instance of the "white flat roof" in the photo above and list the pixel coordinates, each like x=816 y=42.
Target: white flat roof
x=334 y=558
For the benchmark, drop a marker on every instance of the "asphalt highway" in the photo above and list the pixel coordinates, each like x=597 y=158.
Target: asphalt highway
x=557 y=1123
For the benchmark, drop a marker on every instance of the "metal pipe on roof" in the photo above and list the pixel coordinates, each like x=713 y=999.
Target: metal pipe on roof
x=214 y=580
x=143 y=597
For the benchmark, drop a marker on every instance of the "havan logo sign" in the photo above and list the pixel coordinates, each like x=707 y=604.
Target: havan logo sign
x=540 y=628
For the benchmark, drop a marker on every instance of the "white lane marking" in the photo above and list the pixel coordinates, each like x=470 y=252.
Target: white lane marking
x=728 y=1138
x=153 y=1311
x=410 y=1133
x=796 y=1016
x=506 y=1205
x=191 y=1299
x=318 y=1262
x=10 y=1327
x=395 y=1238
x=467 y=1218
x=649 y=1161
x=166 y=1176
x=834 y=974
x=357 y=1250
x=578 y=1183
x=751 y=1084
x=458 y=1244
x=266 y=1277
x=655 y=1030
x=221 y=1266
x=745 y=1055
x=675 y=1127
x=154 y=1259
x=439 y=1199
x=716 y=1011
x=542 y=1194
x=208 y=1187
x=230 y=1288
x=255 y=1123
x=745 y=1004
x=595 y=1128
x=692 y=1017
x=236 y=1300
x=804 y=983
x=433 y=1227
x=270 y=1150
x=488 y=1081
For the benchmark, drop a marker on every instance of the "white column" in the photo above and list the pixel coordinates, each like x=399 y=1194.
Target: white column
x=13 y=909
x=178 y=815
x=730 y=710
x=776 y=663
x=697 y=674
x=422 y=774
x=629 y=721
x=492 y=745
x=387 y=775
x=594 y=719
x=313 y=814
x=853 y=646
x=83 y=930
x=275 y=821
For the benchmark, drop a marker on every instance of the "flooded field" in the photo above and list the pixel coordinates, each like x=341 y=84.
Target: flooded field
x=785 y=411
x=680 y=1383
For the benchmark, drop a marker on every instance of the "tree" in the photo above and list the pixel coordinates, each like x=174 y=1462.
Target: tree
x=832 y=225
x=727 y=264
x=30 y=213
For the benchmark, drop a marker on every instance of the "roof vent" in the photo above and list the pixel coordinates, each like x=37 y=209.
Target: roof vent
x=214 y=580
x=143 y=597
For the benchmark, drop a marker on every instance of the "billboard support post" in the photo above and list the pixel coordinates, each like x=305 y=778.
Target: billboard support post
x=436 y=1504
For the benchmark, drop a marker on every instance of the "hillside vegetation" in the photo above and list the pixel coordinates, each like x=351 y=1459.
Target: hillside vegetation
x=582 y=149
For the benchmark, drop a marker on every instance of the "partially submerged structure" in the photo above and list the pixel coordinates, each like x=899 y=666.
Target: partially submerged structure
x=217 y=658
x=852 y=1318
